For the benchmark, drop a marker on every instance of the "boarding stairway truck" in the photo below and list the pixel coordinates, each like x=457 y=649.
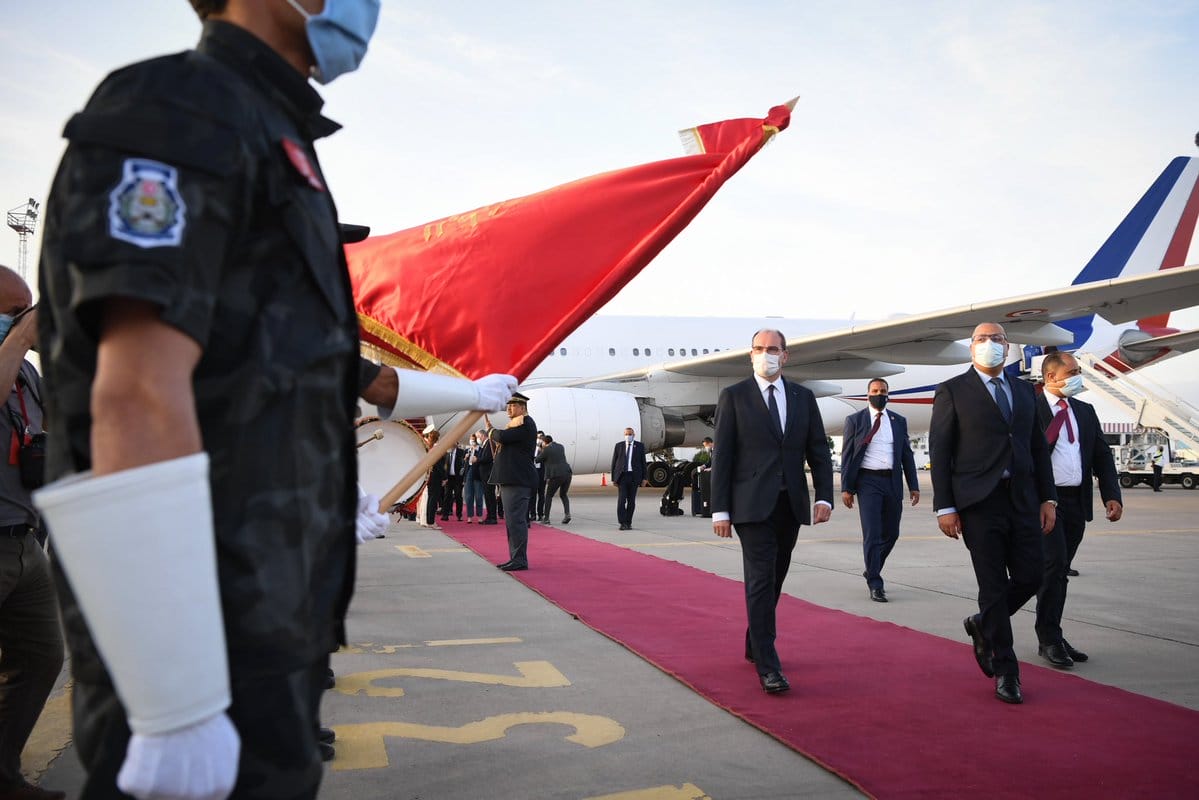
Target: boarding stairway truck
x=1149 y=405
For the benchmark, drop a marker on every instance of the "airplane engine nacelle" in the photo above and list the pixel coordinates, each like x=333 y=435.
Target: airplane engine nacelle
x=589 y=422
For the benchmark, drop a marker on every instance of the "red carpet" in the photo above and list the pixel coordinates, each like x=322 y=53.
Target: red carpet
x=897 y=712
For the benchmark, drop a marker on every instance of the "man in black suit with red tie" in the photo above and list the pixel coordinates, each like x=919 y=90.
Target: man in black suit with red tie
x=1078 y=452
x=628 y=473
x=993 y=486
x=875 y=459
x=767 y=427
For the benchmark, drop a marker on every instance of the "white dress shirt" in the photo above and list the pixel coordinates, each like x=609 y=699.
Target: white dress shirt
x=880 y=452
x=1066 y=455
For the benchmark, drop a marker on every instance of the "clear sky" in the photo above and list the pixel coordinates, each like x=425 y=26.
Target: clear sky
x=941 y=152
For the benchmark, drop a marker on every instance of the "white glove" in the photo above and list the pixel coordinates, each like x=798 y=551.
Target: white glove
x=198 y=762
x=370 y=524
x=494 y=391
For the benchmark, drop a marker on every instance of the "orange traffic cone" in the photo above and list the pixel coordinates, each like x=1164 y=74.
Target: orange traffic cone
x=603 y=479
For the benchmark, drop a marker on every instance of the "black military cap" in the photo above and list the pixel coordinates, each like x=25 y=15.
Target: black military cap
x=517 y=397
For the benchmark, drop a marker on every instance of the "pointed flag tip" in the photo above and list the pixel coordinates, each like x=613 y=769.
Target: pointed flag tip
x=790 y=104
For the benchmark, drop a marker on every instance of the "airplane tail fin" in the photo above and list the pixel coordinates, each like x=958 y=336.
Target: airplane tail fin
x=1156 y=235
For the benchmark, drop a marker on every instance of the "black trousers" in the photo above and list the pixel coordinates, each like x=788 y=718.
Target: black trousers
x=31 y=649
x=765 y=558
x=434 y=502
x=1005 y=549
x=1059 y=549
x=275 y=715
x=537 y=503
x=452 y=497
x=559 y=486
x=489 y=498
x=626 y=498
x=879 y=510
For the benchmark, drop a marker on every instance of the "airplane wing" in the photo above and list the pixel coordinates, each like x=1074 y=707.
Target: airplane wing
x=935 y=338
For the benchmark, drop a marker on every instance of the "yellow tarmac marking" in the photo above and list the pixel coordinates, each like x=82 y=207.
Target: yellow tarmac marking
x=362 y=648
x=412 y=551
x=688 y=791
x=533 y=675
x=51 y=735
x=361 y=746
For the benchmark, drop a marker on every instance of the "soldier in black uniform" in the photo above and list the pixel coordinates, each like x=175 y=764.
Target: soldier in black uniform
x=514 y=473
x=201 y=354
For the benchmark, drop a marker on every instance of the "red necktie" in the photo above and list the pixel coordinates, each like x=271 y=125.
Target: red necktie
x=1062 y=417
x=878 y=420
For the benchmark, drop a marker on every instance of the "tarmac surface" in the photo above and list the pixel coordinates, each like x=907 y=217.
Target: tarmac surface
x=461 y=683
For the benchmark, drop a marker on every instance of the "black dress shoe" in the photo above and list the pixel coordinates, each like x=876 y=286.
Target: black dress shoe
x=566 y=520
x=510 y=567
x=1073 y=573
x=327 y=751
x=1078 y=655
x=773 y=683
x=1056 y=655
x=878 y=595
x=982 y=652
x=330 y=679
x=1007 y=689
x=326 y=735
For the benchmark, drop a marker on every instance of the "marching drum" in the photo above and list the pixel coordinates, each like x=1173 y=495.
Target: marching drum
x=386 y=451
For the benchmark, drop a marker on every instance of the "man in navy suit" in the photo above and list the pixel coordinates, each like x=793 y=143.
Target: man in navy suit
x=628 y=473
x=1078 y=452
x=875 y=458
x=767 y=427
x=993 y=486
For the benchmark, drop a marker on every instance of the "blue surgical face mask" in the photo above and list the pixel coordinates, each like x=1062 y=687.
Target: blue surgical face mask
x=989 y=354
x=629 y=438
x=6 y=321
x=1072 y=386
x=339 y=35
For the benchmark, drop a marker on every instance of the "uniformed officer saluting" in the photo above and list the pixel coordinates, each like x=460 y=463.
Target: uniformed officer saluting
x=201 y=355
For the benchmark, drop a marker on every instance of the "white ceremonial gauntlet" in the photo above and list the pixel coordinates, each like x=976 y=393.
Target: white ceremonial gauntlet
x=138 y=549
x=370 y=523
x=424 y=393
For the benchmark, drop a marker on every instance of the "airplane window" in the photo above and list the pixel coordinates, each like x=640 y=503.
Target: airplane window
x=705 y=351
x=670 y=351
x=636 y=351
x=647 y=351
x=693 y=352
x=611 y=351
x=562 y=350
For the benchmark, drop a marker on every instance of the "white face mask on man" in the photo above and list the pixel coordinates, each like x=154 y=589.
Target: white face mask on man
x=1072 y=386
x=766 y=365
x=989 y=354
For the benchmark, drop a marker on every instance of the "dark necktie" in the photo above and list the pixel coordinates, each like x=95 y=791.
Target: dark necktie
x=773 y=405
x=878 y=420
x=1062 y=417
x=1005 y=408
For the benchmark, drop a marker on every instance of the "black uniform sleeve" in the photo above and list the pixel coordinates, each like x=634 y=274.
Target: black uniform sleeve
x=152 y=190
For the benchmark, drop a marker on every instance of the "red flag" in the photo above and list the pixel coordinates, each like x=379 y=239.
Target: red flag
x=460 y=292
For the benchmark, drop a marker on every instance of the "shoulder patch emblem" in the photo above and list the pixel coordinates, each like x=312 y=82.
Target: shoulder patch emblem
x=146 y=208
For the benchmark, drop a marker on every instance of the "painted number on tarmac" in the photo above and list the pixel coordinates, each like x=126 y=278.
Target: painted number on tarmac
x=361 y=746
x=533 y=675
x=688 y=791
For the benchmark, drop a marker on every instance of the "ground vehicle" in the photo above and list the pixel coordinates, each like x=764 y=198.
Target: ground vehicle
x=1184 y=473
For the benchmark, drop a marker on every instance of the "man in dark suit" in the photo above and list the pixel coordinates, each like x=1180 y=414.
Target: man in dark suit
x=435 y=488
x=875 y=458
x=557 y=477
x=628 y=473
x=484 y=459
x=767 y=427
x=513 y=472
x=1078 y=452
x=993 y=486
x=455 y=468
